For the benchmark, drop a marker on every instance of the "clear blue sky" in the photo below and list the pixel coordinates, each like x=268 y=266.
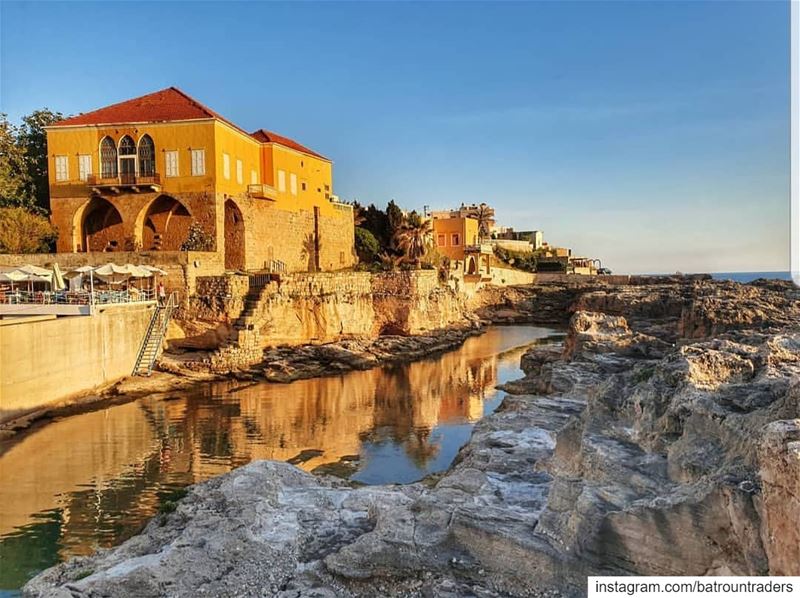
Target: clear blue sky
x=651 y=135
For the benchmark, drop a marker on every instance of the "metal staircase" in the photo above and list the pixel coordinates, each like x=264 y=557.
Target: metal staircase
x=154 y=337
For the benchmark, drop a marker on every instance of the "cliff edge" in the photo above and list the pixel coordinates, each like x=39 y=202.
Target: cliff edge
x=661 y=438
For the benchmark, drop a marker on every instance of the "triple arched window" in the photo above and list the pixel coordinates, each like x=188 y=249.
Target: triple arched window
x=126 y=160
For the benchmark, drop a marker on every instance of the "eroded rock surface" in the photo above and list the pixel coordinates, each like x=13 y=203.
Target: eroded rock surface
x=661 y=438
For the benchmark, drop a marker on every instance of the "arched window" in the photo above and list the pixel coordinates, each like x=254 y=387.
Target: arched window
x=147 y=156
x=108 y=158
x=127 y=160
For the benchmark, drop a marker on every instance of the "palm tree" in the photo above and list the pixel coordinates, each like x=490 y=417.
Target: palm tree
x=390 y=261
x=414 y=238
x=310 y=250
x=485 y=216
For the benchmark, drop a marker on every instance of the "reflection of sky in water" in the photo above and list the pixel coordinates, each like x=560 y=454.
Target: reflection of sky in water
x=93 y=480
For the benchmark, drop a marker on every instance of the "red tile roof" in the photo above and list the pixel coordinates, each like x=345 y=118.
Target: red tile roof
x=168 y=105
x=269 y=137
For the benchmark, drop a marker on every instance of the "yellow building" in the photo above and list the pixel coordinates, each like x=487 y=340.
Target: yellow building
x=136 y=175
x=457 y=238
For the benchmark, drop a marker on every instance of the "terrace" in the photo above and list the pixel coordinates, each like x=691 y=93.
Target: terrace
x=32 y=290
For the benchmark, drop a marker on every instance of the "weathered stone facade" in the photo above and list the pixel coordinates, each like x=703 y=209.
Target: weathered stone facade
x=303 y=240
x=304 y=308
x=250 y=234
x=128 y=221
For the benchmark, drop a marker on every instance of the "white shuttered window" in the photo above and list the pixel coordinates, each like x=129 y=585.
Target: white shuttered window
x=198 y=162
x=293 y=183
x=281 y=181
x=62 y=168
x=226 y=166
x=239 y=172
x=171 y=163
x=84 y=166
x=253 y=177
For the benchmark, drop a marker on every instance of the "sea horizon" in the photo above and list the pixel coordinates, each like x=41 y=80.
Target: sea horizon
x=745 y=276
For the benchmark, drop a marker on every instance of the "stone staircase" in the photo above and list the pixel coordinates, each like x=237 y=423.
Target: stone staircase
x=243 y=347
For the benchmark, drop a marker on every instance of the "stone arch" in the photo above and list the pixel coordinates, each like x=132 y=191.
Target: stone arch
x=472 y=267
x=100 y=225
x=164 y=224
x=234 y=237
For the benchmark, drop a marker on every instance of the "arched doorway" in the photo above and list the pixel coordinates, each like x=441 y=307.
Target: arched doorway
x=101 y=227
x=127 y=160
x=472 y=267
x=234 y=237
x=165 y=225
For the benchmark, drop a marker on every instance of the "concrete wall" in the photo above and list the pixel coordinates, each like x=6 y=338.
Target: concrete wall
x=509 y=276
x=513 y=245
x=45 y=361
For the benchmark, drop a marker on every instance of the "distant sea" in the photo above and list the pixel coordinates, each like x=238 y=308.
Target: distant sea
x=750 y=276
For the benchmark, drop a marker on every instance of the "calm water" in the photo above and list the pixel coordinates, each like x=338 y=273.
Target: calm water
x=750 y=276
x=93 y=480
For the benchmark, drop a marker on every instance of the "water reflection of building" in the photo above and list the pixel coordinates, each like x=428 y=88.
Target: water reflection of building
x=100 y=469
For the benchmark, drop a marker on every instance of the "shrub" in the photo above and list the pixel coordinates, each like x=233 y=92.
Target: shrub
x=197 y=239
x=517 y=259
x=367 y=246
x=22 y=231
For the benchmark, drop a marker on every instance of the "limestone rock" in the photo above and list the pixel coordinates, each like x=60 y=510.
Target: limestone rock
x=662 y=439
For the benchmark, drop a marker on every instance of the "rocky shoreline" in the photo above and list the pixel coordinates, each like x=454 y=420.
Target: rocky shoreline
x=662 y=437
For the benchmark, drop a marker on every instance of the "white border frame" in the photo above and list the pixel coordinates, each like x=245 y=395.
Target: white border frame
x=794 y=150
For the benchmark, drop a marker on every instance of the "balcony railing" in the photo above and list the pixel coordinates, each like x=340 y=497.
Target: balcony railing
x=124 y=180
x=261 y=191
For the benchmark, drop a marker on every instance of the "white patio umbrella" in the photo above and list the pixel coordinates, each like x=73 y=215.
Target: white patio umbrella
x=154 y=269
x=12 y=276
x=138 y=271
x=57 y=279
x=29 y=274
x=35 y=270
x=112 y=273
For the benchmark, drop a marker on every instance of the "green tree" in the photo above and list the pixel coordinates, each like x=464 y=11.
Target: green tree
x=32 y=138
x=395 y=221
x=484 y=215
x=16 y=188
x=22 y=231
x=367 y=246
x=414 y=238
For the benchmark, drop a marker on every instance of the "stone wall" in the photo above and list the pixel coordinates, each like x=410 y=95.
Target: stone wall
x=309 y=308
x=46 y=360
x=291 y=236
x=509 y=276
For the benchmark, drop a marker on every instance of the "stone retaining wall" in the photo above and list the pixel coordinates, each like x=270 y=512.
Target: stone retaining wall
x=308 y=308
